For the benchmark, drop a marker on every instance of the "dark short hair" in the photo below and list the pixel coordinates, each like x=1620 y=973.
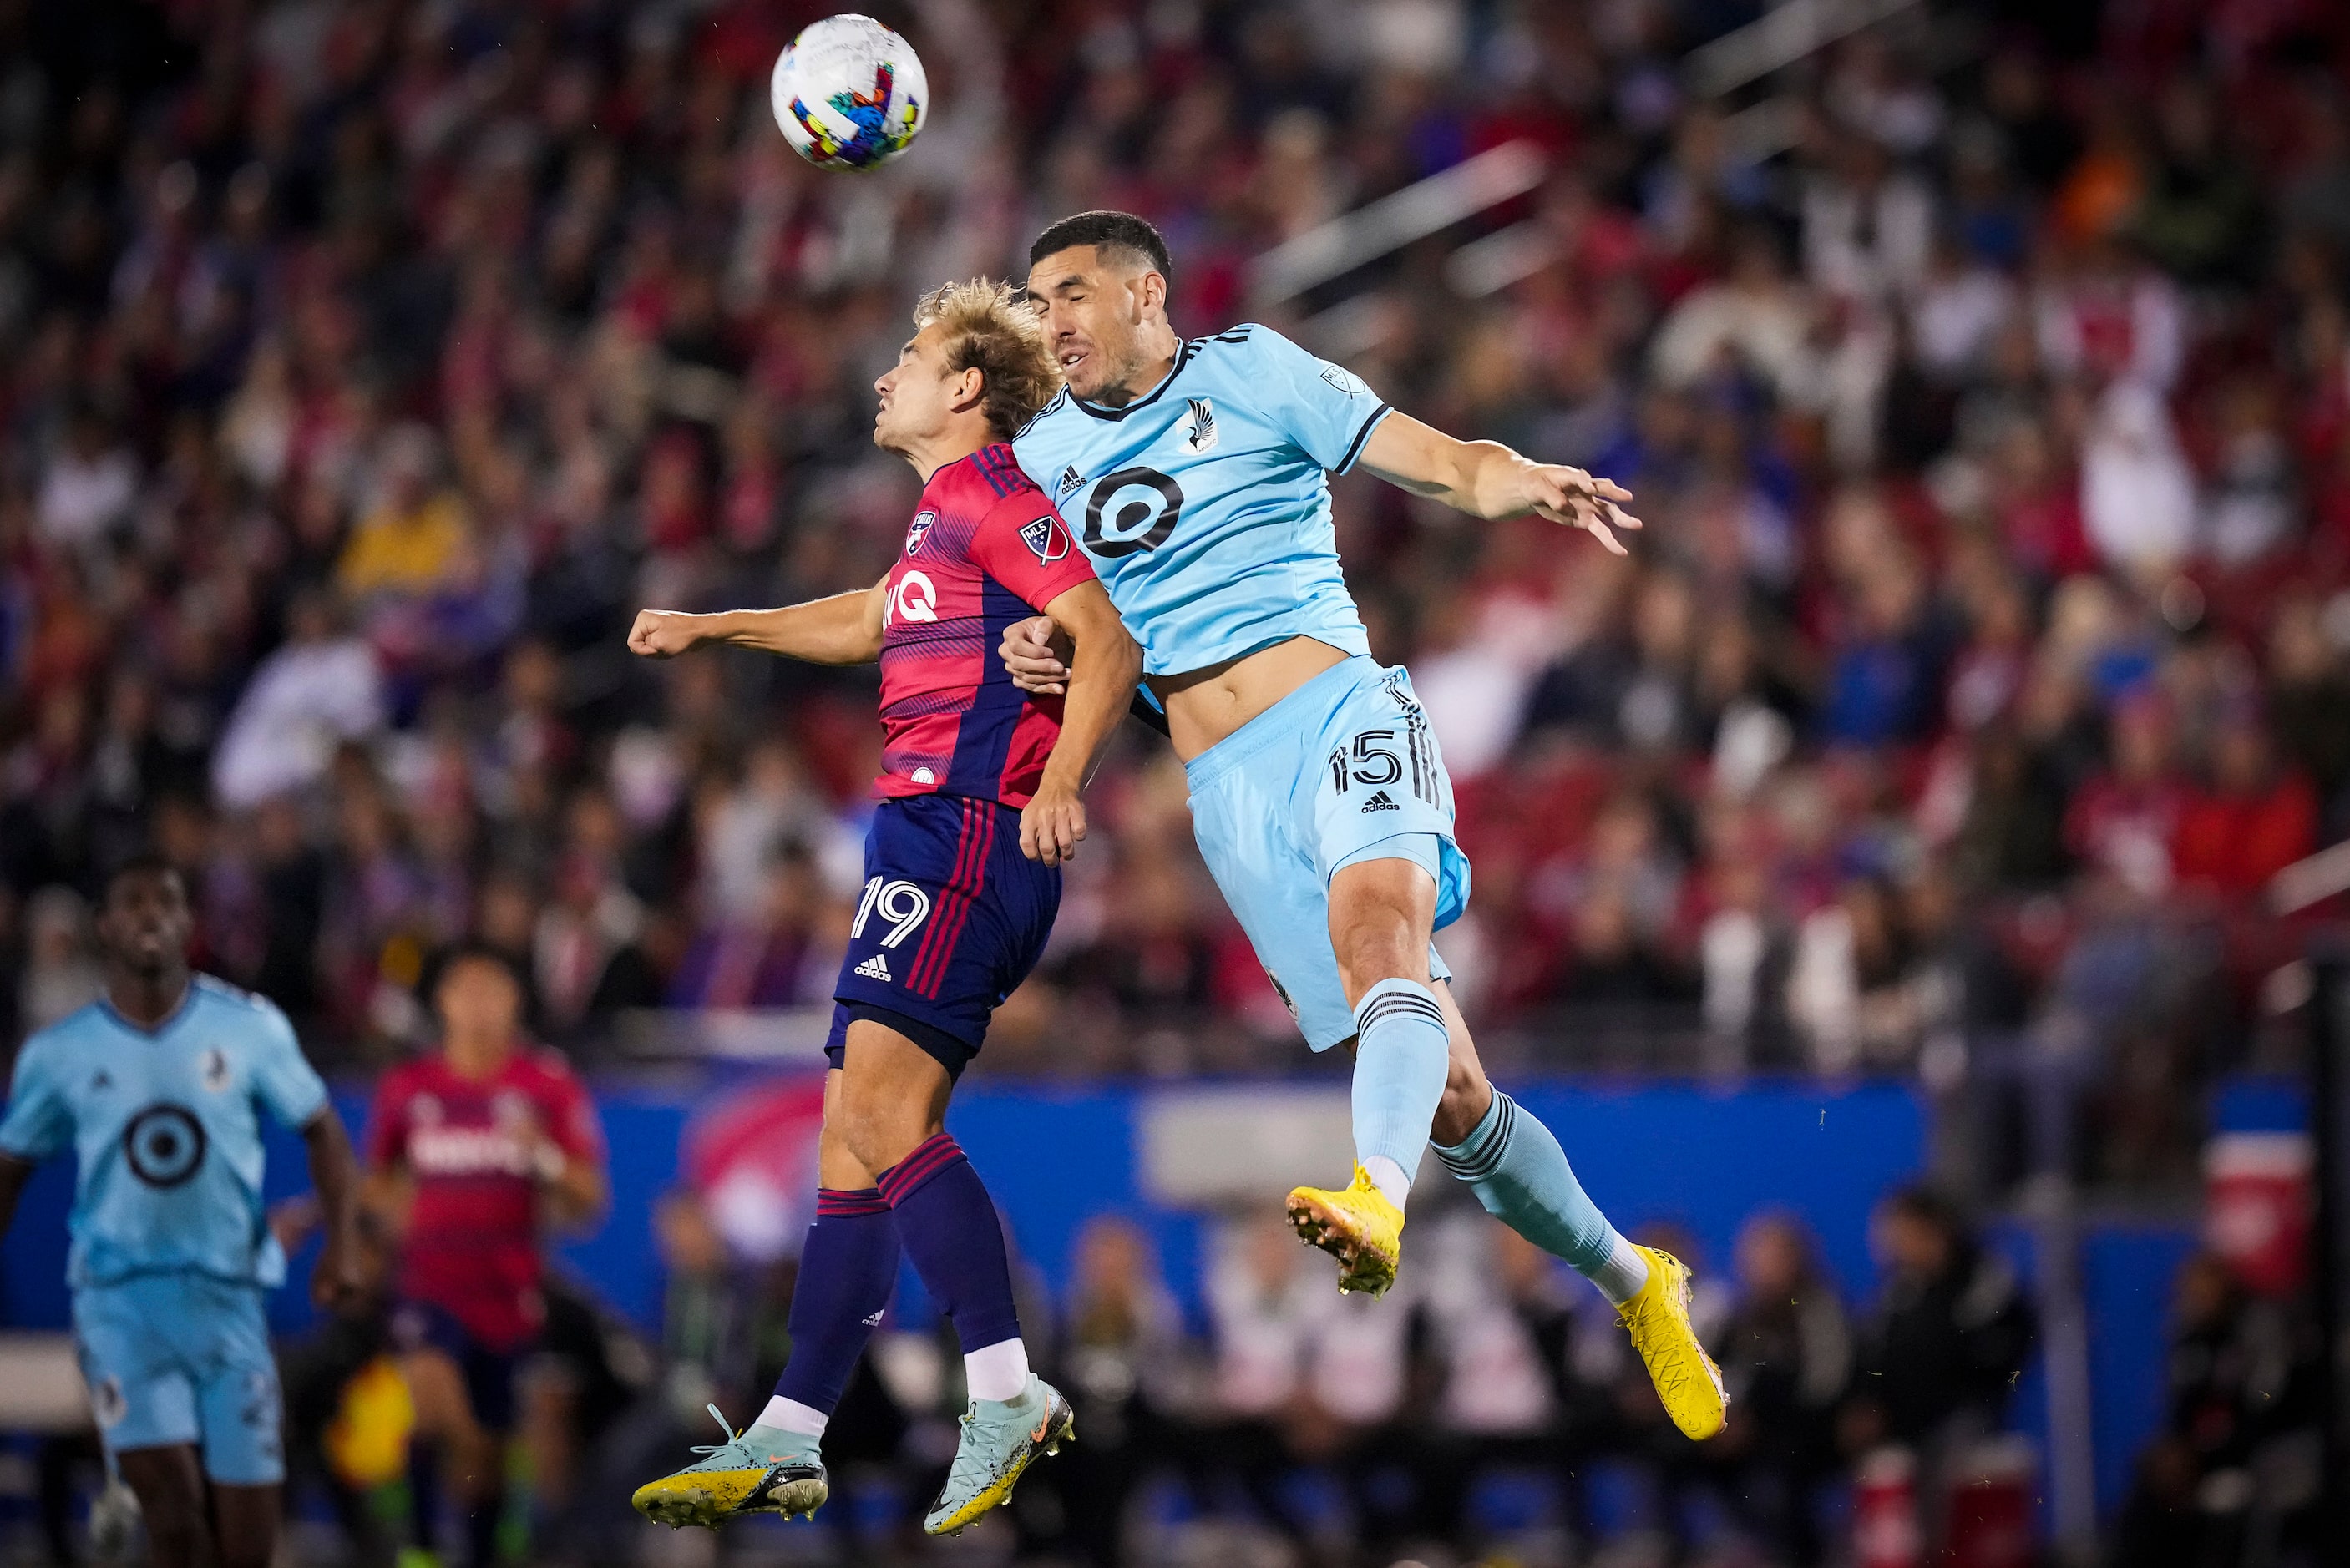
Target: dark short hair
x=473 y=950
x=145 y=863
x=1932 y=1207
x=1106 y=231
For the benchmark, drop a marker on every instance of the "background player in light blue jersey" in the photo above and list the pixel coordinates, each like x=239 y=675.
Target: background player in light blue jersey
x=159 y=1088
x=1195 y=474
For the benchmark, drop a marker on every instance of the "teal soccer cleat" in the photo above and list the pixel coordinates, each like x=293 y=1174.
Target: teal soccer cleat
x=1001 y=1438
x=762 y=1469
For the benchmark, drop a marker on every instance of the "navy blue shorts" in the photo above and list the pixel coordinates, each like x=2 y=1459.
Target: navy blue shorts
x=953 y=918
x=489 y=1374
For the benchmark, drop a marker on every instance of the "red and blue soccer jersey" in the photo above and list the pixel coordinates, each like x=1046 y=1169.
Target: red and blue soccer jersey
x=473 y=1248
x=986 y=549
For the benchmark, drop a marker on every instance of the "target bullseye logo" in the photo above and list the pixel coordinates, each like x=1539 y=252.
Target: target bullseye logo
x=164 y=1144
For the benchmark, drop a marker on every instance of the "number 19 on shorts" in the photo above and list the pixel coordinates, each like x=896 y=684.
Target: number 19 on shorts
x=903 y=903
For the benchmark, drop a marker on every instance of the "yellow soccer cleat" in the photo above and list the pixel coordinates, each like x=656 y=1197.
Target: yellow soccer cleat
x=757 y=1470
x=1358 y=1226
x=1687 y=1380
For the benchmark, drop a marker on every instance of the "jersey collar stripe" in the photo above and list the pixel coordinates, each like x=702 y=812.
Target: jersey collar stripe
x=162 y=1026
x=982 y=462
x=997 y=463
x=1058 y=398
x=1182 y=359
x=1354 y=447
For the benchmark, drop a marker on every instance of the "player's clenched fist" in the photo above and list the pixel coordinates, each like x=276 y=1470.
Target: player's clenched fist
x=663 y=634
x=1035 y=650
x=1052 y=825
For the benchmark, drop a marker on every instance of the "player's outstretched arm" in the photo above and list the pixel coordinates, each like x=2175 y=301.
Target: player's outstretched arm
x=1103 y=668
x=334 y=1173
x=843 y=630
x=1486 y=479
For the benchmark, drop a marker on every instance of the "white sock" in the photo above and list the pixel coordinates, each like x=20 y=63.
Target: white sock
x=1621 y=1277
x=790 y=1416
x=998 y=1371
x=1388 y=1177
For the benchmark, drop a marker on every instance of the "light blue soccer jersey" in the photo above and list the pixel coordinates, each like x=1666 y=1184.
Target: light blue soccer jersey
x=1205 y=503
x=167 y=1126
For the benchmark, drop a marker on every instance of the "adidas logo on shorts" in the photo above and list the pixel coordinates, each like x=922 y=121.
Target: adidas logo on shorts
x=874 y=968
x=1380 y=801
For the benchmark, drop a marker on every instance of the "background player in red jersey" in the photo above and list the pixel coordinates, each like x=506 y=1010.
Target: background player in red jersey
x=952 y=918
x=474 y=1152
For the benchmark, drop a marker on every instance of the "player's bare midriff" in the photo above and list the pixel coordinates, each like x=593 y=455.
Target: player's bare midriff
x=1204 y=706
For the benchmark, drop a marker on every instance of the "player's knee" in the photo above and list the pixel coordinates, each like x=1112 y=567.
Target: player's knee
x=1466 y=1097
x=171 y=1543
x=247 y=1553
x=880 y=1127
x=170 y=1492
x=836 y=1159
x=1381 y=912
x=1377 y=945
x=174 y=1519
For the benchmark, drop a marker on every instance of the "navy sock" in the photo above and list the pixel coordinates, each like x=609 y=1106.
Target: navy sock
x=947 y=1224
x=484 y=1521
x=424 y=1494
x=847 y=1268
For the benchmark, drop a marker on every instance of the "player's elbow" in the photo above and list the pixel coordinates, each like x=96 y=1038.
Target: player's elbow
x=1116 y=653
x=1098 y=637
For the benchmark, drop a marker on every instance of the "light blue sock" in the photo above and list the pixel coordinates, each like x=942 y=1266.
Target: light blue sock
x=1401 y=1051
x=1516 y=1168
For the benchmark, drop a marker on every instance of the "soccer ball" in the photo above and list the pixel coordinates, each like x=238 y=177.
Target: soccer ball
x=849 y=93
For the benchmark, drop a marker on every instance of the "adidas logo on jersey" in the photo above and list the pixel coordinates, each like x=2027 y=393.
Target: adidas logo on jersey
x=1068 y=484
x=875 y=968
x=1380 y=801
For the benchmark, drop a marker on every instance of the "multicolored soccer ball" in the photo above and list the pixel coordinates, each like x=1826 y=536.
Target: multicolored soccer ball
x=849 y=93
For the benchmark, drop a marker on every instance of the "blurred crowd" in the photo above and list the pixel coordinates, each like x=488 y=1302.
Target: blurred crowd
x=1984 y=383
x=1489 y=1410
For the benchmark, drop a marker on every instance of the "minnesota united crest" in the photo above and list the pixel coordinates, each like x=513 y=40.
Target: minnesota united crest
x=1199 y=425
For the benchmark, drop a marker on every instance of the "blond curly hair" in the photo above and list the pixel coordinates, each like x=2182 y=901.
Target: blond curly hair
x=991 y=327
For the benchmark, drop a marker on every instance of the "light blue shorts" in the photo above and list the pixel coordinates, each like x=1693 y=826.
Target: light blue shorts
x=1343 y=769
x=184 y=1357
